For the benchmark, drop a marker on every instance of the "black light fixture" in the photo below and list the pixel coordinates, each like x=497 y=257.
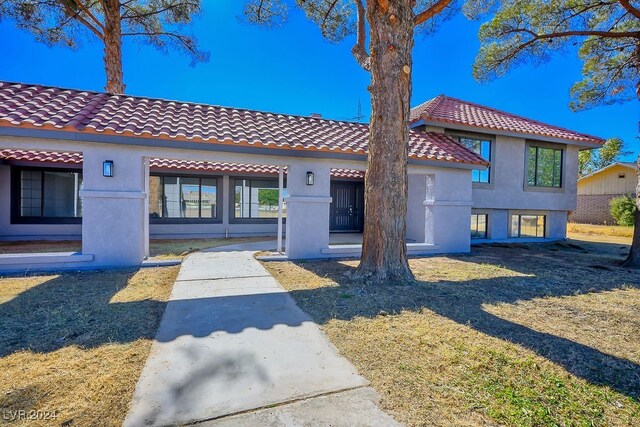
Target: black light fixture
x=309 y=178
x=107 y=168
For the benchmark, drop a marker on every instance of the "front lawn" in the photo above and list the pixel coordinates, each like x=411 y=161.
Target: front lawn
x=75 y=343
x=533 y=335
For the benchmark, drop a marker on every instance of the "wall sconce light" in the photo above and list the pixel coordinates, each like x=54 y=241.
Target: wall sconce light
x=107 y=168
x=309 y=178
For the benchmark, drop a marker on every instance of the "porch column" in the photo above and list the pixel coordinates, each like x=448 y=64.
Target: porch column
x=419 y=216
x=280 y=205
x=307 y=209
x=439 y=209
x=113 y=208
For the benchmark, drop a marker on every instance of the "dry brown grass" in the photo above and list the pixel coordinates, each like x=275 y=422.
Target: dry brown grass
x=75 y=343
x=600 y=233
x=531 y=335
x=159 y=249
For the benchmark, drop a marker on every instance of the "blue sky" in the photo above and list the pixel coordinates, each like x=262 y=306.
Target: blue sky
x=294 y=70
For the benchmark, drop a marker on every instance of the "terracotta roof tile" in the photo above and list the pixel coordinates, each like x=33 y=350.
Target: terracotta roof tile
x=166 y=164
x=35 y=106
x=445 y=109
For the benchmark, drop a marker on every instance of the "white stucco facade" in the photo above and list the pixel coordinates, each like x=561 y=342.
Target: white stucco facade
x=507 y=193
x=115 y=220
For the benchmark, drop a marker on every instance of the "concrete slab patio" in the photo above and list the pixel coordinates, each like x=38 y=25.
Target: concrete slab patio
x=232 y=340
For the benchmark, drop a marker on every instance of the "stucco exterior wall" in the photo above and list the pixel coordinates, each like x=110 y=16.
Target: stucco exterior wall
x=508 y=190
x=499 y=226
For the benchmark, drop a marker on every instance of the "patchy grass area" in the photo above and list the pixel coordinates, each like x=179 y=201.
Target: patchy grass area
x=159 y=249
x=531 y=335
x=75 y=343
x=600 y=233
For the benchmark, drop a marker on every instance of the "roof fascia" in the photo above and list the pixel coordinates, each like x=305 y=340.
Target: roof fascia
x=479 y=129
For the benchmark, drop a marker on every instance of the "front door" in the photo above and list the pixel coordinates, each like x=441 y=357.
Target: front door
x=347 y=206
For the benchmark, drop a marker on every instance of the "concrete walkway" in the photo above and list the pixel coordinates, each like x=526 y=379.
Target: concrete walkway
x=232 y=342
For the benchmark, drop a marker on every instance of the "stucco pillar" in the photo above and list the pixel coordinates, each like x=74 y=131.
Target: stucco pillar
x=448 y=210
x=419 y=216
x=113 y=208
x=307 y=226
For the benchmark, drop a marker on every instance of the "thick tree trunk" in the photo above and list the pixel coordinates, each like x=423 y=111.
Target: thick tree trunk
x=633 y=260
x=113 y=46
x=384 y=251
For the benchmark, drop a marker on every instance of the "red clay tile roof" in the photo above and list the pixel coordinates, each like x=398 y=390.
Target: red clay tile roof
x=41 y=107
x=445 y=109
x=165 y=164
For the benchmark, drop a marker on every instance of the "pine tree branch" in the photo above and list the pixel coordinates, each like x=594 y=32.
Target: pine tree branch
x=136 y=15
x=76 y=15
x=588 y=33
x=430 y=12
x=185 y=41
x=326 y=15
x=88 y=12
x=359 y=50
x=629 y=8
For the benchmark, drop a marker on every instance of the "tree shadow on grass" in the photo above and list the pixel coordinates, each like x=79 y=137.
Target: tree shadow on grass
x=540 y=272
x=76 y=309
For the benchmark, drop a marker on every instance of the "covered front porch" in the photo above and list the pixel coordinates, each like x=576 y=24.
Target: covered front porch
x=318 y=206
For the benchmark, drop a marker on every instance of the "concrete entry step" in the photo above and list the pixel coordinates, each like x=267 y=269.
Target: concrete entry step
x=228 y=345
x=10 y=263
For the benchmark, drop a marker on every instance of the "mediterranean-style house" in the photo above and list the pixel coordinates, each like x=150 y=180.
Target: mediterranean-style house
x=596 y=190
x=117 y=170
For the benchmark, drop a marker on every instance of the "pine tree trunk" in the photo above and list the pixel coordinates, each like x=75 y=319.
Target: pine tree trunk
x=633 y=260
x=384 y=251
x=113 y=46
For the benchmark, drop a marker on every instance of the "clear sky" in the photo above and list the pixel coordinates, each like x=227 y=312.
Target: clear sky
x=294 y=70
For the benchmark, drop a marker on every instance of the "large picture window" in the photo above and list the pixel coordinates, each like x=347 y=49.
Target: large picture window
x=48 y=195
x=483 y=148
x=528 y=225
x=479 y=226
x=183 y=197
x=545 y=167
x=256 y=199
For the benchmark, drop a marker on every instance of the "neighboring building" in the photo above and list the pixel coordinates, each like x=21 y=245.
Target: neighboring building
x=596 y=190
x=116 y=170
x=530 y=186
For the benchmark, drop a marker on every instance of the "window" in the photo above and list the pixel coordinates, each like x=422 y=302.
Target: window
x=256 y=199
x=483 y=148
x=183 y=197
x=479 y=226
x=545 y=167
x=48 y=194
x=528 y=225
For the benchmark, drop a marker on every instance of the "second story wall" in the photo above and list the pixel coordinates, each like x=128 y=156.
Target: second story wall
x=509 y=187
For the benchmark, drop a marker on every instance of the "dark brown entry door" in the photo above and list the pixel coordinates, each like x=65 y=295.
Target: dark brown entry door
x=347 y=206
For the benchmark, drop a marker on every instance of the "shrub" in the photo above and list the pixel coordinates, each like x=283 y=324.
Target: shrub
x=623 y=210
